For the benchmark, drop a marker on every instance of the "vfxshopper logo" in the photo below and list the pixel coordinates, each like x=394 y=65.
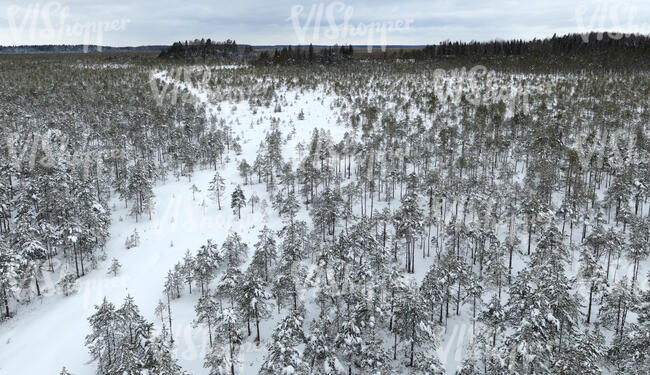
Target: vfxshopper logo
x=330 y=23
x=49 y=23
x=619 y=17
x=51 y=149
x=617 y=148
x=190 y=81
x=50 y=280
x=480 y=86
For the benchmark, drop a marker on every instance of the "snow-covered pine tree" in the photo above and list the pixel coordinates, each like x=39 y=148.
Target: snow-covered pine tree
x=639 y=240
x=634 y=355
x=283 y=356
x=253 y=200
x=320 y=351
x=265 y=252
x=244 y=170
x=67 y=283
x=253 y=301
x=8 y=274
x=121 y=342
x=350 y=335
x=133 y=335
x=207 y=309
x=617 y=301
x=115 y=267
x=188 y=267
x=140 y=188
x=413 y=322
x=208 y=259
x=216 y=188
x=234 y=250
x=132 y=240
x=238 y=200
x=408 y=222
x=103 y=341
x=582 y=354
x=229 y=339
x=160 y=360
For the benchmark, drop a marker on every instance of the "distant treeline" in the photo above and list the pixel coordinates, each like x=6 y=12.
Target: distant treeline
x=571 y=43
x=77 y=48
x=208 y=50
x=590 y=51
x=298 y=55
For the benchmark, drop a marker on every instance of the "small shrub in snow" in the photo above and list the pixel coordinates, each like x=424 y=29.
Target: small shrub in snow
x=68 y=284
x=115 y=267
x=132 y=240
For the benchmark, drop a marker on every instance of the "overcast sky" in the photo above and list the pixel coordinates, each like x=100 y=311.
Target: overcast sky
x=141 y=22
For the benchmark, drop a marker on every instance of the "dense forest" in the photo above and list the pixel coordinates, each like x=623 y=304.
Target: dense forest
x=206 y=50
x=516 y=204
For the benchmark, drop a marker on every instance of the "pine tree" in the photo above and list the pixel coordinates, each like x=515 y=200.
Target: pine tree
x=207 y=309
x=582 y=355
x=494 y=318
x=639 y=248
x=283 y=356
x=133 y=334
x=228 y=335
x=234 y=250
x=413 y=321
x=121 y=342
x=140 y=188
x=115 y=267
x=103 y=342
x=409 y=222
x=208 y=260
x=254 y=301
x=132 y=240
x=244 y=170
x=189 y=265
x=287 y=207
x=265 y=252
x=229 y=285
x=319 y=350
x=591 y=271
x=238 y=201
x=216 y=188
x=8 y=274
x=67 y=284
x=169 y=288
x=541 y=310
x=253 y=199
x=160 y=360
x=635 y=351
x=618 y=300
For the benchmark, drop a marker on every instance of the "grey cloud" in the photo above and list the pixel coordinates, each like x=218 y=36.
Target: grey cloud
x=257 y=22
